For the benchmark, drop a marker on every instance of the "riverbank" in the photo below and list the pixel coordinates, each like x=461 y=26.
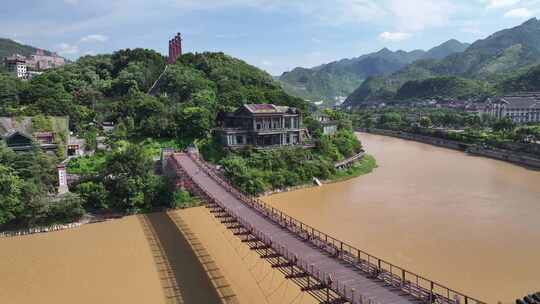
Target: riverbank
x=499 y=154
x=365 y=165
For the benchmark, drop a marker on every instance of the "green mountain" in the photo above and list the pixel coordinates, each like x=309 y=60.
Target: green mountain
x=340 y=78
x=526 y=81
x=9 y=47
x=489 y=61
x=444 y=87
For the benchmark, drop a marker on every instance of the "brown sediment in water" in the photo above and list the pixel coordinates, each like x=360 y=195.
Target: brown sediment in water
x=470 y=223
x=117 y=262
x=100 y=263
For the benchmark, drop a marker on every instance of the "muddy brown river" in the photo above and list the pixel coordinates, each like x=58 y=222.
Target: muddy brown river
x=470 y=223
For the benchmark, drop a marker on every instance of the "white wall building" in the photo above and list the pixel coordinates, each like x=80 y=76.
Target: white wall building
x=520 y=108
x=16 y=64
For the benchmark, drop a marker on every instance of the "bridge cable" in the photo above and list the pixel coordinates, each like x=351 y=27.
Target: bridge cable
x=261 y=288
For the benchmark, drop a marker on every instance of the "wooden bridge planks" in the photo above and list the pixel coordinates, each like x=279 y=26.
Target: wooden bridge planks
x=362 y=285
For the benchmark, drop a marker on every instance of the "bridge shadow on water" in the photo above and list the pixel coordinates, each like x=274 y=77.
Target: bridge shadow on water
x=183 y=265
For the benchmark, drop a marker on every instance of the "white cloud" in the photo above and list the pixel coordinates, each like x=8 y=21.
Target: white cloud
x=471 y=30
x=67 y=49
x=94 y=38
x=416 y=15
x=492 y=4
x=394 y=36
x=521 y=13
x=267 y=63
x=72 y=2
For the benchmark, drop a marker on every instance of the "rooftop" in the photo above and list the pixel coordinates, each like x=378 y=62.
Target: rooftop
x=266 y=108
x=522 y=100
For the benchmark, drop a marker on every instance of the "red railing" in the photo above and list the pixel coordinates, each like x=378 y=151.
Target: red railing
x=409 y=282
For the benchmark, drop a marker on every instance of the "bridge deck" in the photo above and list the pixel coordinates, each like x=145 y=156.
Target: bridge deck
x=342 y=273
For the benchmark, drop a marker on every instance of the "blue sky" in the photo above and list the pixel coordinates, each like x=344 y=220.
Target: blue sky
x=276 y=35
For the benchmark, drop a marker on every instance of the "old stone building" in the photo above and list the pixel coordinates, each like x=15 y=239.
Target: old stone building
x=520 y=108
x=262 y=126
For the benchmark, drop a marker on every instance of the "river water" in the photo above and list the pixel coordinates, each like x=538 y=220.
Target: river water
x=470 y=223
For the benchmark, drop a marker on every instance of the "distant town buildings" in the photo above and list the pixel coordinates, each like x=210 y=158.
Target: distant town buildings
x=175 y=49
x=26 y=68
x=262 y=126
x=41 y=62
x=520 y=108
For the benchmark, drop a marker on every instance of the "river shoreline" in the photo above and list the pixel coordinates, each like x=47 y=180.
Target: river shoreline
x=371 y=165
x=498 y=154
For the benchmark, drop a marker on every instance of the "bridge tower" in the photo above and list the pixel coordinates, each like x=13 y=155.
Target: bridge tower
x=175 y=48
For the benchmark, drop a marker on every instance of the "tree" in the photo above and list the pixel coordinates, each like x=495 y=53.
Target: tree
x=10 y=195
x=193 y=122
x=127 y=174
x=94 y=194
x=505 y=124
x=425 y=122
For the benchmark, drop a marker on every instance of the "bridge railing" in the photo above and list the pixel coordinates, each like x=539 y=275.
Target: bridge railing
x=409 y=282
x=309 y=268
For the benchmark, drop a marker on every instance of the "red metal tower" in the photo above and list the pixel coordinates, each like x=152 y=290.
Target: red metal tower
x=175 y=48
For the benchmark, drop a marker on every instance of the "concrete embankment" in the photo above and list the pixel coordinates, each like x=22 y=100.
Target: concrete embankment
x=500 y=154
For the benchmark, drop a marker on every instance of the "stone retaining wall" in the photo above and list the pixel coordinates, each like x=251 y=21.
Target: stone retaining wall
x=499 y=154
x=40 y=229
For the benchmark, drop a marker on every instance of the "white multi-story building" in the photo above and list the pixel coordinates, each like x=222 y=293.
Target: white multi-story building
x=16 y=64
x=520 y=108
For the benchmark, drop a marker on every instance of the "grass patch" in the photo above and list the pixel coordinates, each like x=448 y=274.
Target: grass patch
x=86 y=165
x=153 y=146
x=365 y=166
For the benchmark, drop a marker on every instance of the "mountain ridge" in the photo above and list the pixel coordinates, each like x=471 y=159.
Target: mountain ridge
x=487 y=61
x=341 y=77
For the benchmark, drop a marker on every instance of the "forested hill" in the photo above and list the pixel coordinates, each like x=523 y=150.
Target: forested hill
x=340 y=78
x=113 y=88
x=9 y=47
x=488 y=62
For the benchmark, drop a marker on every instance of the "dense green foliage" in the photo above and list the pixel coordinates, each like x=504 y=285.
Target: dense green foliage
x=341 y=78
x=526 y=81
x=125 y=182
x=504 y=55
x=26 y=179
x=444 y=88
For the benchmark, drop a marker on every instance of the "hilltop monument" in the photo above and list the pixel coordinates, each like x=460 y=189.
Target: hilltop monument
x=175 y=48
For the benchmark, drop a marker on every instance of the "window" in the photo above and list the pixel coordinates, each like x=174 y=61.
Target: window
x=239 y=139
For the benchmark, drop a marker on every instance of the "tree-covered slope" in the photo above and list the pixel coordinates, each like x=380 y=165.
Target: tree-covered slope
x=340 y=78
x=231 y=82
x=113 y=88
x=527 y=81
x=9 y=47
x=492 y=59
x=445 y=88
